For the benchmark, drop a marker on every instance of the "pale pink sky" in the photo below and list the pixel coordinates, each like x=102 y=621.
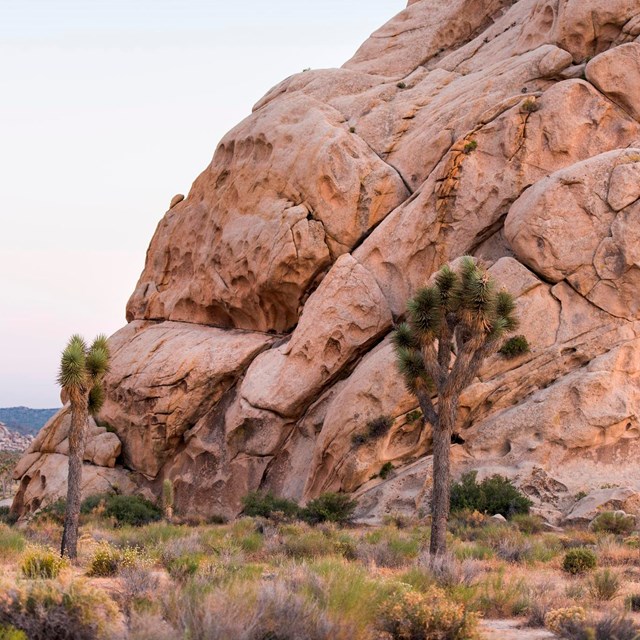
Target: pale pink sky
x=108 y=109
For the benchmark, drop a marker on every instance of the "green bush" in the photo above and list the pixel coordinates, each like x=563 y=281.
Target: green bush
x=41 y=564
x=258 y=503
x=184 y=567
x=579 y=560
x=125 y=510
x=493 y=495
x=470 y=146
x=614 y=522
x=329 y=507
x=11 y=633
x=91 y=503
x=515 y=347
x=131 y=510
x=386 y=470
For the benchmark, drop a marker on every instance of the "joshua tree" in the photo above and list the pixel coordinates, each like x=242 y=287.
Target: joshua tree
x=81 y=372
x=451 y=328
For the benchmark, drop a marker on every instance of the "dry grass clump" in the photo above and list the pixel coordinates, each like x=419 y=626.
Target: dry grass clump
x=40 y=563
x=63 y=610
x=12 y=543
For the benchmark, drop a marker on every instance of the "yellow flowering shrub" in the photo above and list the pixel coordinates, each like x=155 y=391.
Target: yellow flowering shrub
x=410 y=615
x=557 y=618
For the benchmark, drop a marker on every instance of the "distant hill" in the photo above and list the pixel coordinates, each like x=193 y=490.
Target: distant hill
x=24 y=420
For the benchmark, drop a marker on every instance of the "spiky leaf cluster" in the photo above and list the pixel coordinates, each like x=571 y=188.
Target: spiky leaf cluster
x=82 y=368
x=73 y=370
x=467 y=299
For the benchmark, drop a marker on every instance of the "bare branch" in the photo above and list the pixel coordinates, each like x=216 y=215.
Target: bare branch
x=426 y=405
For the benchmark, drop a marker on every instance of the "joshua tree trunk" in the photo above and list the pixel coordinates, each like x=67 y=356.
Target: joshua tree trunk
x=77 y=438
x=441 y=475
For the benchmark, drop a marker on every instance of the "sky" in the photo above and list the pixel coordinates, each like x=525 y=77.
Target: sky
x=107 y=110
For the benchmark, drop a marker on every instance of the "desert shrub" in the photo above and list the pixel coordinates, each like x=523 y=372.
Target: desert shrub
x=104 y=562
x=329 y=507
x=614 y=522
x=265 y=504
x=530 y=105
x=391 y=552
x=604 y=585
x=137 y=583
x=48 y=610
x=414 y=416
x=11 y=542
x=449 y=572
x=41 y=563
x=386 y=470
x=5 y=516
x=528 y=524
x=502 y=597
x=92 y=502
x=493 y=495
x=183 y=567
x=514 y=347
x=11 y=633
x=108 y=560
x=307 y=543
x=513 y=546
x=632 y=602
x=557 y=619
x=54 y=511
x=413 y=615
x=401 y=85
x=608 y=628
x=131 y=510
x=579 y=560
x=470 y=146
x=379 y=426
x=375 y=429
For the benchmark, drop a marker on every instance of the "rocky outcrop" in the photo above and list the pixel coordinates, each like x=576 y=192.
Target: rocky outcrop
x=257 y=342
x=12 y=440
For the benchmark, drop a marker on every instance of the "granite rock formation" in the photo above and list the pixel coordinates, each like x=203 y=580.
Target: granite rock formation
x=258 y=335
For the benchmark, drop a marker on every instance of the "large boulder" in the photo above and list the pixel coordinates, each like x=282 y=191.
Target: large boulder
x=258 y=336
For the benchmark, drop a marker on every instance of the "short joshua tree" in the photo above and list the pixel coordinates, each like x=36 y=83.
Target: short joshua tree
x=451 y=328
x=82 y=370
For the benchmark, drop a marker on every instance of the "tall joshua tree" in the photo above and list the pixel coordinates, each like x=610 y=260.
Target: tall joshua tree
x=451 y=328
x=82 y=370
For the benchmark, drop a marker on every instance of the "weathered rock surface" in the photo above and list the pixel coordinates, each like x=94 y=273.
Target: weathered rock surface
x=12 y=440
x=257 y=343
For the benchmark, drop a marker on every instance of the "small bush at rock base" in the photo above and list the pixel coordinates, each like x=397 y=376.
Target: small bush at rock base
x=386 y=470
x=515 y=347
x=614 y=522
x=329 y=507
x=265 y=504
x=131 y=510
x=493 y=495
x=579 y=560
